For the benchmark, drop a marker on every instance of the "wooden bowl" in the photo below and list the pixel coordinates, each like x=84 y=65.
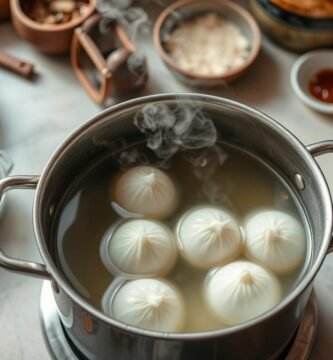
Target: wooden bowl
x=51 y=39
x=168 y=20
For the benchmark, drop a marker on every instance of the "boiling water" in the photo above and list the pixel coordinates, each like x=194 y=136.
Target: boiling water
x=222 y=175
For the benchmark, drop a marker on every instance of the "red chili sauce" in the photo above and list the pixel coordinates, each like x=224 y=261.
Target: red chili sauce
x=321 y=85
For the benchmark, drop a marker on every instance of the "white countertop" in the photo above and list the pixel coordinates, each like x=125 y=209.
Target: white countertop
x=36 y=116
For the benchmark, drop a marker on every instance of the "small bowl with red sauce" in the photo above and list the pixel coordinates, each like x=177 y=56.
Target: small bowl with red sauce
x=312 y=80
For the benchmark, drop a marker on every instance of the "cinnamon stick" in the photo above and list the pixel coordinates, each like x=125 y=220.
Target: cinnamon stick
x=17 y=66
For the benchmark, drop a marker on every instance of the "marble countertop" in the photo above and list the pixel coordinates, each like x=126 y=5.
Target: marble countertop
x=36 y=116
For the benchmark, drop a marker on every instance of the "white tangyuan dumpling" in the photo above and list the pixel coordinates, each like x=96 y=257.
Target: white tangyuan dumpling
x=147 y=191
x=276 y=240
x=149 y=304
x=241 y=291
x=208 y=236
x=142 y=247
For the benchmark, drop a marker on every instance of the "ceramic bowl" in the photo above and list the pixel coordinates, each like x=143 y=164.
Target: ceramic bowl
x=168 y=20
x=52 y=39
x=303 y=70
x=295 y=32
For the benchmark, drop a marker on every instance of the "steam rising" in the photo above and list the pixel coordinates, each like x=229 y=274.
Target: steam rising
x=118 y=4
x=181 y=128
x=137 y=65
x=131 y=157
x=207 y=162
x=169 y=129
x=184 y=127
x=132 y=19
x=206 y=165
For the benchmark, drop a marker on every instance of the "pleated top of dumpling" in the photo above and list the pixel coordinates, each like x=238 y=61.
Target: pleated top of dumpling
x=241 y=291
x=147 y=191
x=276 y=240
x=149 y=304
x=208 y=236
x=142 y=247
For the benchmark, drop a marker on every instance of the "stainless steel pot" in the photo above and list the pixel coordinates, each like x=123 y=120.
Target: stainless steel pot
x=99 y=337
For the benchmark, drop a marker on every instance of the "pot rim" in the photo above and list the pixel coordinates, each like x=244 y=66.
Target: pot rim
x=60 y=278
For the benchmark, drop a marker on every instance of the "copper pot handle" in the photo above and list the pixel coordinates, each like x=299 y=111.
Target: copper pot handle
x=82 y=41
x=317 y=149
x=106 y=67
x=21 y=266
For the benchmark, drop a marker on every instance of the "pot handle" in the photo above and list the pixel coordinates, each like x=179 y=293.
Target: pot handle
x=25 y=267
x=317 y=149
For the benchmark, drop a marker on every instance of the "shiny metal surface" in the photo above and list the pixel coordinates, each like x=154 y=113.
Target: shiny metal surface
x=99 y=337
x=25 y=267
x=60 y=348
x=53 y=333
x=306 y=332
x=241 y=126
x=6 y=165
x=320 y=148
x=299 y=181
x=317 y=149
